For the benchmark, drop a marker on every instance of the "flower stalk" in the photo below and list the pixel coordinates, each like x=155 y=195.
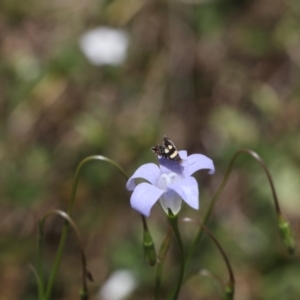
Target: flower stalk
x=173 y=220
x=221 y=188
x=164 y=248
x=70 y=208
x=66 y=225
x=38 y=280
x=46 y=295
x=229 y=289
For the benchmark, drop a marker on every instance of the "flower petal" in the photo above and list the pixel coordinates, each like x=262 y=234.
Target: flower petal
x=169 y=165
x=144 y=197
x=188 y=191
x=183 y=154
x=150 y=172
x=172 y=200
x=197 y=162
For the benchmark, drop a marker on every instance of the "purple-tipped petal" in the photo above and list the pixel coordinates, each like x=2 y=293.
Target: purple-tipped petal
x=144 y=197
x=168 y=166
x=197 y=162
x=150 y=172
x=187 y=189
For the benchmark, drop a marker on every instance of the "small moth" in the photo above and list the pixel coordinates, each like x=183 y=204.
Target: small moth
x=168 y=150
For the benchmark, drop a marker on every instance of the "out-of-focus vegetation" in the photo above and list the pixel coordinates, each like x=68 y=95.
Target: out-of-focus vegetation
x=215 y=76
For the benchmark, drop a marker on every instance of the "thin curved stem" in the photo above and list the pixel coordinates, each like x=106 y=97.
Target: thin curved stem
x=38 y=280
x=208 y=274
x=78 y=171
x=40 y=260
x=223 y=184
x=80 y=243
x=71 y=204
x=214 y=239
x=70 y=208
x=173 y=220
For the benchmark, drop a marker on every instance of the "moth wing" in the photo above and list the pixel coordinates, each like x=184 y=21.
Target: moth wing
x=168 y=141
x=158 y=150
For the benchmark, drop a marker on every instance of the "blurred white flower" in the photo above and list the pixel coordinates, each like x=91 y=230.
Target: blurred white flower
x=105 y=46
x=118 y=286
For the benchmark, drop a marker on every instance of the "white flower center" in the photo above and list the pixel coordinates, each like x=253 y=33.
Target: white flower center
x=169 y=199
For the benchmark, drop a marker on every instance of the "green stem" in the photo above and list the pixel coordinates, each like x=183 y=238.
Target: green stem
x=79 y=168
x=231 y=282
x=40 y=261
x=173 y=220
x=220 y=190
x=57 y=261
x=161 y=259
x=66 y=226
x=85 y=272
x=38 y=280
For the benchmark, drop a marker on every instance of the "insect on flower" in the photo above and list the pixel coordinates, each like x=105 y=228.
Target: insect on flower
x=170 y=183
x=168 y=150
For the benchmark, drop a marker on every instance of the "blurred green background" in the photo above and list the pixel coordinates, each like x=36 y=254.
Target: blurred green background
x=215 y=76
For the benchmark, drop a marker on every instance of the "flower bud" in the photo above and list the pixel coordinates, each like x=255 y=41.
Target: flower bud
x=287 y=234
x=229 y=292
x=84 y=295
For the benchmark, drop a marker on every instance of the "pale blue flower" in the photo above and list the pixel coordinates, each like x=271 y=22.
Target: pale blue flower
x=170 y=183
